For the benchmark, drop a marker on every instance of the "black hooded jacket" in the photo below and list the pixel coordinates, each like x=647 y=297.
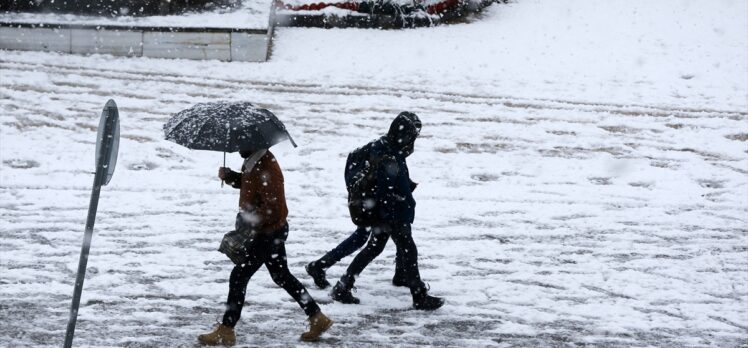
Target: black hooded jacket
x=394 y=189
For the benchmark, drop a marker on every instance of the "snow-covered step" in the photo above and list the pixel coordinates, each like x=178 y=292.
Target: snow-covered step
x=248 y=45
x=240 y=35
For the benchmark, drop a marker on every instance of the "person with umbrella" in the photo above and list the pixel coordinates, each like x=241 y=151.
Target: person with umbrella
x=261 y=226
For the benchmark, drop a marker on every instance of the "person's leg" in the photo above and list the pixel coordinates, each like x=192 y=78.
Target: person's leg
x=238 y=281
x=354 y=242
x=277 y=265
x=377 y=242
x=399 y=278
x=406 y=246
x=240 y=275
x=407 y=255
x=316 y=269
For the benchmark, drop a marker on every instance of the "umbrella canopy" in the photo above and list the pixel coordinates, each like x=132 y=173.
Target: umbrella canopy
x=226 y=126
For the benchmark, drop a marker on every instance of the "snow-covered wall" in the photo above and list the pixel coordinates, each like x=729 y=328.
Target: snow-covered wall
x=189 y=43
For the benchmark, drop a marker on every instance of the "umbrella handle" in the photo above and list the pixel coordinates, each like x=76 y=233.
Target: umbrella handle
x=224 y=164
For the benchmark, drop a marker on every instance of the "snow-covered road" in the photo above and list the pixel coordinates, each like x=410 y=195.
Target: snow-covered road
x=544 y=220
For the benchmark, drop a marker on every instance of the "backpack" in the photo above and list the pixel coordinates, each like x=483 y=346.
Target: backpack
x=360 y=180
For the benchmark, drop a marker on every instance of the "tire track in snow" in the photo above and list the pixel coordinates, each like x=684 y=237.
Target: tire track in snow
x=356 y=90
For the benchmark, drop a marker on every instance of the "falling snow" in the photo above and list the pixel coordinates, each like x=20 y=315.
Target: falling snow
x=582 y=164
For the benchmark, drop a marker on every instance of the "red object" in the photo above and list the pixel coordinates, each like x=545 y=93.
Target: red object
x=353 y=6
x=442 y=7
x=437 y=8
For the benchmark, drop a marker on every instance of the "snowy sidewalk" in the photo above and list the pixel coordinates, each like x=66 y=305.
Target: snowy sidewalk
x=549 y=214
x=540 y=223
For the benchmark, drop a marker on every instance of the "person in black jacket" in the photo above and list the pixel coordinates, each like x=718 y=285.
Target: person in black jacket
x=393 y=213
x=371 y=153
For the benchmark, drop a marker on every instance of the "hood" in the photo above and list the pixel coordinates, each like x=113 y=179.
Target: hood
x=403 y=132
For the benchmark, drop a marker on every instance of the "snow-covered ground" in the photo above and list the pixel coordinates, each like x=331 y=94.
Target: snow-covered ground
x=583 y=168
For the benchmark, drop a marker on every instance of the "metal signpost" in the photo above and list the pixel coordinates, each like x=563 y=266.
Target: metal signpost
x=107 y=144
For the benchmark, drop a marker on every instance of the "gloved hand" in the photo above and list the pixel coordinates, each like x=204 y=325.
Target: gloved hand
x=224 y=173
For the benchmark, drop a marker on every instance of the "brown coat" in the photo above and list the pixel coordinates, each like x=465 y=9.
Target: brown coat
x=262 y=193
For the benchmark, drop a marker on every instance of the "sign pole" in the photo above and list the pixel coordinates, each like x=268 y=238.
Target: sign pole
x=107 y=146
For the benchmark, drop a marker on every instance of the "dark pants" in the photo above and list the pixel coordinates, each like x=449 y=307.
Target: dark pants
x=354 y=242
x=270 y=251
x=406 y=250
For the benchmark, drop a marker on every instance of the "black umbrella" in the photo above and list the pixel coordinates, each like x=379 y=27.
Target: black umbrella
x=227 y=127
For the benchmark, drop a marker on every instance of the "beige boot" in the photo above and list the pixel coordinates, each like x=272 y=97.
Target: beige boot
x=318 y=324
x=221 y=335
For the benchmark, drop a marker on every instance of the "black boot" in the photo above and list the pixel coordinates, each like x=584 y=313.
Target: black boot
x=423 y=301
x=342 y=293
x=315 y=270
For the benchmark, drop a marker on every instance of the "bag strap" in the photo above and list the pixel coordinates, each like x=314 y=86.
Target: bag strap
x=251 y=161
